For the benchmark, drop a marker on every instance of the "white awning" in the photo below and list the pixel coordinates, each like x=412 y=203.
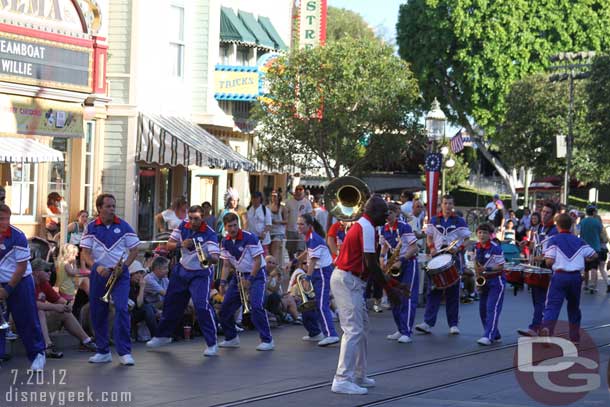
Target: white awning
x=16 y=150
x=170 y=140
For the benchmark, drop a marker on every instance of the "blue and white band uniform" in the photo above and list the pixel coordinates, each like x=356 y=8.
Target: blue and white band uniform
x=491 y=300
x=318 y=250
x=569 y=253
x=541 y=237
x=13 y=250
x=446 y=231
x=108 y=244
x=189 y=279
x=319 y=254
x=205 y=235
x=443 y=232
x=404 y=314
x=21 y=302
x=241 y=252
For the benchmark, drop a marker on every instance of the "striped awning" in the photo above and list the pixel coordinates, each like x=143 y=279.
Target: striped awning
x=170 y=140
x=17 y=150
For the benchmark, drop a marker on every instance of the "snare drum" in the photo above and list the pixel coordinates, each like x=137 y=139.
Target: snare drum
x=514 y=273
x=442 y=271
x=537 y=276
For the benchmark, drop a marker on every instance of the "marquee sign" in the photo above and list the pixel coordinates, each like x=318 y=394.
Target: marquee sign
x=40 y=62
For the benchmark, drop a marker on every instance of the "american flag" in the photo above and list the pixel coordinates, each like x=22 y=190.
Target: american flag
x=457 y=143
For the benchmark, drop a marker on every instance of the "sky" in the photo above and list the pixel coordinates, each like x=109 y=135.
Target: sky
x=377 y=13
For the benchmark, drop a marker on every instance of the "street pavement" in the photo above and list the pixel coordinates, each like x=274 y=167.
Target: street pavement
x=434 y=370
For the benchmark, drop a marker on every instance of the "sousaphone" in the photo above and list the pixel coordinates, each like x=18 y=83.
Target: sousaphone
x=344 y=198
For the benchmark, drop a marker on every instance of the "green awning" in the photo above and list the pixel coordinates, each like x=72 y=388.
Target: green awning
x=232 y=28
x=255 y=29
x=265 y=22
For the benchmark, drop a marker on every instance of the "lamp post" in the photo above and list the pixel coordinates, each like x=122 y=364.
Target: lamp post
x=435 y=124
x=435 y=130
x=574 y=65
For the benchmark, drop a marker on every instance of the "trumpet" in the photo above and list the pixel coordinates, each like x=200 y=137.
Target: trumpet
x=114 y=277
x=244 y=295
x=308 y=296
x=389 y=269
x=3 y=321
x=203 y=260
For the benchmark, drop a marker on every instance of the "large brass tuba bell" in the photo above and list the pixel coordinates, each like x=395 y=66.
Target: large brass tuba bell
x=344 y=198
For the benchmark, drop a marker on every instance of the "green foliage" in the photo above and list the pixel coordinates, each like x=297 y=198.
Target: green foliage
x=341 y=23
x=598 y=103
x=469 y=52
x=324 y=100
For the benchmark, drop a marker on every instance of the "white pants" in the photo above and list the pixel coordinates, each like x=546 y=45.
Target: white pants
x=348 y=291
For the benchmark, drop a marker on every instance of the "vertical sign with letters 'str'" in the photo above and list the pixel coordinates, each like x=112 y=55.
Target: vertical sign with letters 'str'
x=312 y=23
x=35 y=61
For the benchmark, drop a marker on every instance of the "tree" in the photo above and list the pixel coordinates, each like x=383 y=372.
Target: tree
x=342 y=23
x=598 y=103
x=327 y=104
x=468 y=53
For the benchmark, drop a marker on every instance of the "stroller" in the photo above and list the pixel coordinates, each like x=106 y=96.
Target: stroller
x=43 y=249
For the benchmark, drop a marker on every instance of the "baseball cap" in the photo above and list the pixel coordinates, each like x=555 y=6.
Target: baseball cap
x=40 y=264
x=136 y=267
x=591 y=207
x=496 y=196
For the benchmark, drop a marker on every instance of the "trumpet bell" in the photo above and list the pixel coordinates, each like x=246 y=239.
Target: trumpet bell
x=481 y=281
x=344 y=198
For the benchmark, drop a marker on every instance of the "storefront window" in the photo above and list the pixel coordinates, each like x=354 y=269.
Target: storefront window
x=224 y=54
x=23 y=190
x=88 y=187
x=146 y=207
x=57 y=174
x=176 y=42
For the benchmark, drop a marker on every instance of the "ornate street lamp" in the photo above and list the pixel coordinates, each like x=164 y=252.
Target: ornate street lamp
x=435 y=130
x=435 y=123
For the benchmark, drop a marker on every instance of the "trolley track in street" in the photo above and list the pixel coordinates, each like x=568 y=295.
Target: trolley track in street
x=430 y=362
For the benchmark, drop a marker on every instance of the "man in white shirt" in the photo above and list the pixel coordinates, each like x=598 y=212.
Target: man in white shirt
x=259 y=220
x=296 y=206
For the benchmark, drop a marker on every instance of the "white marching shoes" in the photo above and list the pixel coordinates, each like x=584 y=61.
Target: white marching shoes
x=233 y=343
x=454 y=330
x=38 y=363
x=127 y=360
x=347 y=387
x=211 y=351
x=316 y=338
x=101 y=358
x=265 y=346
x=329 y=340
x=423 y=327
x=394 y=336
x=156 y=342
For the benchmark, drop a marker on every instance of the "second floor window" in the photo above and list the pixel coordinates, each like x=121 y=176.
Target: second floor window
x=176 y=42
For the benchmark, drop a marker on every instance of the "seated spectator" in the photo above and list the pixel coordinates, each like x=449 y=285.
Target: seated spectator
x=67 y=271
x=508 y=235
x=139 y=310
x=156 y=282
x=170 y=219
x=54 y=311
x=53 y=212
x=278 y=302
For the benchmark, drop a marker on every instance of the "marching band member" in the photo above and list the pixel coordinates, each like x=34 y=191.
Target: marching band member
x=319 y=270
x=544 y=231
x=190 y=279
x=243 y=251
x=394 y=231
x=489 y=262
x=17 y=290
x=104 y=244
x=441 y=231
x=356 y=259
x=566 y=254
